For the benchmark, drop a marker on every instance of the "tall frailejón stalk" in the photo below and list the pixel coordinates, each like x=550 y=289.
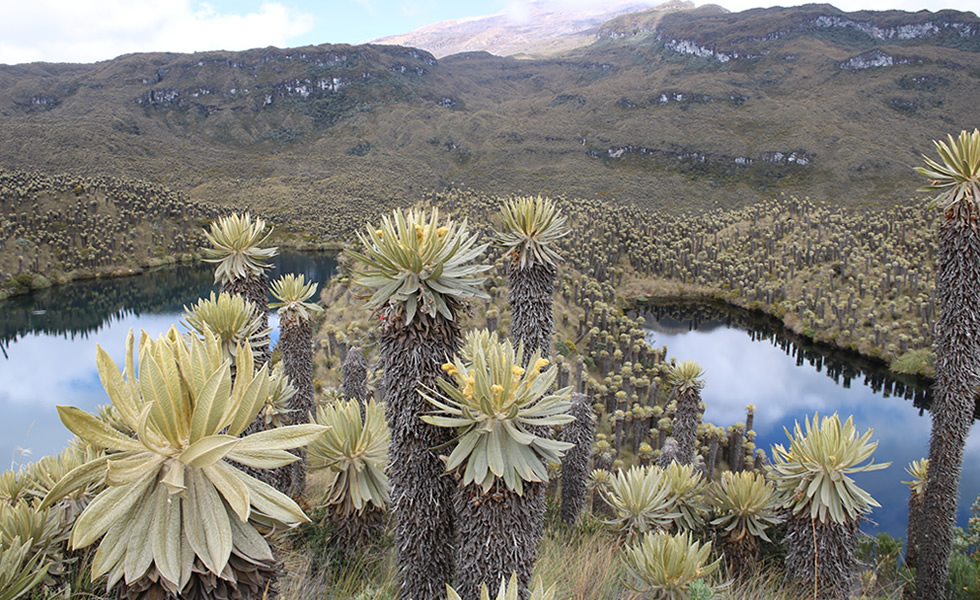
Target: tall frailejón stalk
x=292 y=294
x=687 y=381
x=576 y=462
x=918 y=469
x=957 y=351
x=423 y=273
x=494 y=406
x=825 y=505
x=237 y=250
x=531 y=227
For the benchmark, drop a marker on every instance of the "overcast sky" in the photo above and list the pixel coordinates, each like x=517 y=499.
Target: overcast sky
x=93 y=30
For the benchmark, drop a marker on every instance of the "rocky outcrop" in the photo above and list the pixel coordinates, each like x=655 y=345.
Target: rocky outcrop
x=876 y=58
x=797 y=157
x=735 y=36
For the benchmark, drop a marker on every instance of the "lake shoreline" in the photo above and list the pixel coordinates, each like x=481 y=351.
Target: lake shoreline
x=644 y=292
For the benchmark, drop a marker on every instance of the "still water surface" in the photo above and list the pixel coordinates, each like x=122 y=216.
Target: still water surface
x=48 y=342
x=749 y=360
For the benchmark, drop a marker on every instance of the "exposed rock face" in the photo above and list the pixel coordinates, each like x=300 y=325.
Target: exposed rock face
x=724 y=37
x=793 y=157
x=876 y=58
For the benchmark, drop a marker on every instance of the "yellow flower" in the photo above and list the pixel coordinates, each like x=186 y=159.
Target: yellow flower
x=450 y=369
x=379 y=233
x=517 y=371
x=496 y=388
x=541 y=363
x=442 y=231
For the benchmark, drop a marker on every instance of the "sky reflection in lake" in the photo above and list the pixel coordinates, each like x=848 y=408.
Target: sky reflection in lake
x=740 y=371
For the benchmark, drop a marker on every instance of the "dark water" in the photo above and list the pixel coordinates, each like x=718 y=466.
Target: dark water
x=748 y=359
x=48 y=342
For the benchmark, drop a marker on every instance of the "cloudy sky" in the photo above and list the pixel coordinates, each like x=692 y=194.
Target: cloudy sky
x=93 y=30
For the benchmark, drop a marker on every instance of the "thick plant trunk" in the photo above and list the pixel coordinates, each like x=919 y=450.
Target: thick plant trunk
x=296 y=346
x=255 y=290
x=912 y=531
x=741 y=555
x=575 y=463
x=687 y=418
x=493 y=535
x=421 y=492
x=355 y=532
x=957 y=364
x=531 y=297
x=354 y=375
x=821 y=556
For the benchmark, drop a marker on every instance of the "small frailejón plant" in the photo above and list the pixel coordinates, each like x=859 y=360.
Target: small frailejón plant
x=176 y=518
x=642 y=500
x=237 y=248
x=825 y=504
x=355 y=453
x=423 y=273
x=231 y=318
x=663 y=566
x=509 y=591
x=20 y=571
x=919 y=470
x=957 y=356
x=292 y=294
x=745 y=506
x=493 y=405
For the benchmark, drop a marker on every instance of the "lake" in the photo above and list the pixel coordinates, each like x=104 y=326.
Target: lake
x=749 y=359
x=48 y=341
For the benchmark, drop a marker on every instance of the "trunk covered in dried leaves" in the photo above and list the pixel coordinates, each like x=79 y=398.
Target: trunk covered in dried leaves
x=255 y=289
x=531 y=297
x=575 y=463
x=741 y=555
x=687 y=418
x=353 y=532
x=421 y=492
x=532 y=324
x=296 y=347
x=494 y=531
x=250 y=582
x=957 y=364
x=821 y=556
x=912 y=531
x=354 y=374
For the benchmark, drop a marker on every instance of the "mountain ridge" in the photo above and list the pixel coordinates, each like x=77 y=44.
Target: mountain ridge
x=323 y=135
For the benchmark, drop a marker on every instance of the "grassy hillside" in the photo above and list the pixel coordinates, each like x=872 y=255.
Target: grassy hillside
x=56 y=228
x=324 y=136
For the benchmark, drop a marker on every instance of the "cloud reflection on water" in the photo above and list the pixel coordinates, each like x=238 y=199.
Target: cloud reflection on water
x=740 y=371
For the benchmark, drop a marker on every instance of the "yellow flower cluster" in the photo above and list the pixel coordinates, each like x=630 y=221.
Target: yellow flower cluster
x=450 y=369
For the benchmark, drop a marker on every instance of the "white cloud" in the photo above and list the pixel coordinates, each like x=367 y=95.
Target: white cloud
x=93 y=30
